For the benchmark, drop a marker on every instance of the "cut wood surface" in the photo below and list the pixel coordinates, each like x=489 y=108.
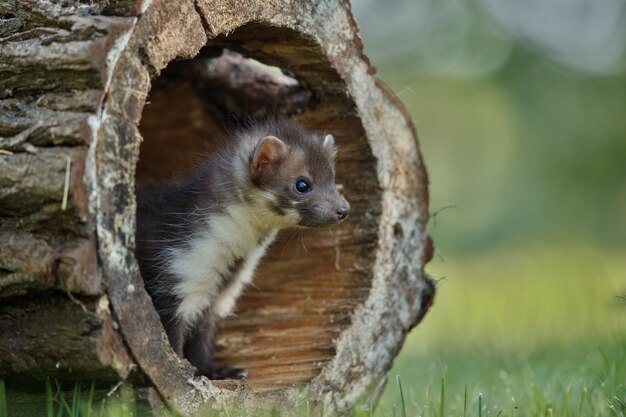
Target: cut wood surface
x=98 y=97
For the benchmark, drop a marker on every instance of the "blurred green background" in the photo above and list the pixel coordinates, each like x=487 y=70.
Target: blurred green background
x=520 y=108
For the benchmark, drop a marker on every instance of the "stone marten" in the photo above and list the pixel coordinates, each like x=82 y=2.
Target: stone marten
x=200 y=239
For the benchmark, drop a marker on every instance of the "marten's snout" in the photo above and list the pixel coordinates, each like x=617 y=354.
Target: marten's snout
x=342 y=212
x=342 y=207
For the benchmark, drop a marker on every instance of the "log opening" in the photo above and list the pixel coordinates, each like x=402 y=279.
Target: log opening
x=310 y=282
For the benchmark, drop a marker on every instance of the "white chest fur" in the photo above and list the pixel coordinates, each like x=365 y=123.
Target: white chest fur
x=202 y=267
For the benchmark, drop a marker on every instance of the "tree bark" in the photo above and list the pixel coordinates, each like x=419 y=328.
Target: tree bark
x=96 y=97
x=50 y=337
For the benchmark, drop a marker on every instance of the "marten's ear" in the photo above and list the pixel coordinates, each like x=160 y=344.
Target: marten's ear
x=329 y=145
x=270 y=150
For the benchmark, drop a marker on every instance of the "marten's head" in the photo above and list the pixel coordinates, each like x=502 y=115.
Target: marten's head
x=294 y=171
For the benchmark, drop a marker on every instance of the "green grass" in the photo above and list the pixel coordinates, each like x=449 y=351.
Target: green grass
x=79 y=400
x=533 y=331
x=559 y=383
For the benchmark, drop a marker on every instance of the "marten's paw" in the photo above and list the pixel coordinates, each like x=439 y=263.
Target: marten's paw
x=223 y=372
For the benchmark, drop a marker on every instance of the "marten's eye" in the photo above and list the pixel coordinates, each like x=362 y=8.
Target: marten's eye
x=302 y=186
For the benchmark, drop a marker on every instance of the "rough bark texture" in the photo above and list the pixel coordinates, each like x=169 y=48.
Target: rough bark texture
x=82 y=84
x=50 y=337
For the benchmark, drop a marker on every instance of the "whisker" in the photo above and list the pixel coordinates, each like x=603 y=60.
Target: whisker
x=302 y=240
x=286 y=244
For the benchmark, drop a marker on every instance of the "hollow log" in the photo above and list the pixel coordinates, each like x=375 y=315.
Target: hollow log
x=97 y=97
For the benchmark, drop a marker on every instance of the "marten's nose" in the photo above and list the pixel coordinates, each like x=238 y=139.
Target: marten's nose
x=342 y=212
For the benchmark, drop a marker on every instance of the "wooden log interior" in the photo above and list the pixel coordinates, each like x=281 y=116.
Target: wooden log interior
x=311 y=280
x=83 y=84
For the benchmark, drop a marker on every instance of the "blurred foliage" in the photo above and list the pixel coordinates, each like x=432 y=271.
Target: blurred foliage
x=526 y=149
x=530 y=153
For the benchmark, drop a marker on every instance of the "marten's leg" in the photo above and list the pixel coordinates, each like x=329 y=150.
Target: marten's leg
x=199 y=352
x=175 y=330
x=176 y=335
